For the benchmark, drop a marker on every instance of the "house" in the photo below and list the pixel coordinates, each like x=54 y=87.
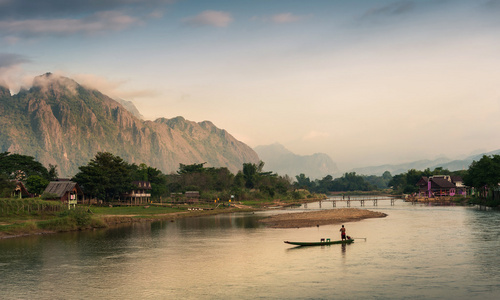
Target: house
x=65 y=191
x=187 y=197
x=440 y=185
x=19 y=191
x=192 y=196
x=141 y=194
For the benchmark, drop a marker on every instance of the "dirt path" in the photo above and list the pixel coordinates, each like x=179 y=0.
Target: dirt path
x=322 y=217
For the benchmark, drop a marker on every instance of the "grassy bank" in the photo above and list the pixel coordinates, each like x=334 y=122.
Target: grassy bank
x=20 y=217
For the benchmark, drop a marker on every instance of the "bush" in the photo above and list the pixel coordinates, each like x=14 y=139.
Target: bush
x=49 y=196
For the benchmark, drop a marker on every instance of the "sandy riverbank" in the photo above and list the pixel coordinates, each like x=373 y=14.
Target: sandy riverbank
x=318 y=218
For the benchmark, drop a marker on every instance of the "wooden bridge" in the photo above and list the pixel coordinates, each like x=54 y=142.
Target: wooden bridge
x=361 y=199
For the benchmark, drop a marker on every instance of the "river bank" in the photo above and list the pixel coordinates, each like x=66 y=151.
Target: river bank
x=109 y=217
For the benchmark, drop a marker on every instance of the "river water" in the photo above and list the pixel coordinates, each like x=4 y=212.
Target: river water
x=416 y=252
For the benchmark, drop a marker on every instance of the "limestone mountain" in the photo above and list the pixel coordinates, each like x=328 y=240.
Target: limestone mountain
x=278 y=159
x=60 y=122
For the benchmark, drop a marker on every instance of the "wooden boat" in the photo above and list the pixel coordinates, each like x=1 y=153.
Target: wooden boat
x=320 y=243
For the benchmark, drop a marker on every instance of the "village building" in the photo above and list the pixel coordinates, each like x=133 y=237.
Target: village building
x=441 y=185
x=141 y=194
x=65 y=191
x=20 y=190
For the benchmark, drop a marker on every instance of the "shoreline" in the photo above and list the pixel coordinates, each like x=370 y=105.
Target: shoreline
x=298 y=219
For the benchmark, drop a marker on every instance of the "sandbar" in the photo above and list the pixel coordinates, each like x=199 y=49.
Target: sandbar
x=320 y=217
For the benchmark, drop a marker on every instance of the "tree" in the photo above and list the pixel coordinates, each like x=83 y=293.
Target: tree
x=251 y=174
x=36 y=184
x=6 y=186
x=20 y=167
x=105 y=177
x=484 y=175
x=303 y=182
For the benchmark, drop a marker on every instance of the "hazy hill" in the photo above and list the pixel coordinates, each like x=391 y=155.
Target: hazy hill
x=282 y=161
x=445 y=163
x=58 y=121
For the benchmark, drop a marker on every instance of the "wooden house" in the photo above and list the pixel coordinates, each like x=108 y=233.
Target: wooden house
x=440 y=185
x=65 y=191
x=141 y=194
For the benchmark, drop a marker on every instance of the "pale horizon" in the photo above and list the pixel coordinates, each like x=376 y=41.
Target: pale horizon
x=366 y=82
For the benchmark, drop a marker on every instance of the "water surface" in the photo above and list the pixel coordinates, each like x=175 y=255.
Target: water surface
x=417 y=252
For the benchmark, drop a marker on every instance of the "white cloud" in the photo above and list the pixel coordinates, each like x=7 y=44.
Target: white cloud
x=209 y=18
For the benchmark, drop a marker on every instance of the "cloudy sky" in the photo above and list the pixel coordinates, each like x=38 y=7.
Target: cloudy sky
x=367 y=82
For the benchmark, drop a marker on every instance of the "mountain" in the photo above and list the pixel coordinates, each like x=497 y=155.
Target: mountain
x=129 y=105
x=463 y=164
x=282 y=161
x=60 y=122
x=400 y=168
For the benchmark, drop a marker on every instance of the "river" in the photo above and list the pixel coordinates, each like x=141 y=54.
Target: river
x=416 y=252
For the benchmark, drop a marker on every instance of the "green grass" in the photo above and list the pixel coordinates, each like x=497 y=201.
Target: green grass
x=135 y=210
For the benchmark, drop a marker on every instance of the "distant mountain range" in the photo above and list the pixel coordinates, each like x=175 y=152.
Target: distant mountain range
x=59 y=122
x=445 y=163
x=282 y=161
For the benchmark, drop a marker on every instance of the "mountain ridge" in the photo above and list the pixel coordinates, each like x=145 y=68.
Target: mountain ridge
x=60 y=122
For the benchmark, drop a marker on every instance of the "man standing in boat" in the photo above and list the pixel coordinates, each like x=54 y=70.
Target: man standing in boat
x=342 y=232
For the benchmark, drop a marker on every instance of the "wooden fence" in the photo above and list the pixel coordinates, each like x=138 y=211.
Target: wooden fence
x=29 y=206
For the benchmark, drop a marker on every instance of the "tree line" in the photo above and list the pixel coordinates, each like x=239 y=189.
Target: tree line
x=107 y=176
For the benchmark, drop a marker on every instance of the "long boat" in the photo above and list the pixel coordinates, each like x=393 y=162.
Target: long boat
x=321 y=243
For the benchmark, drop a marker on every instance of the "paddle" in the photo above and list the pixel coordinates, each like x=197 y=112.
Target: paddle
x=356 y=238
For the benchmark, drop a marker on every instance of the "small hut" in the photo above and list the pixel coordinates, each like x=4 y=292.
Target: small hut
x=66 y=191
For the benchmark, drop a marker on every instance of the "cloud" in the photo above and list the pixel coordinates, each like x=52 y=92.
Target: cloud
x=11 y=73
x=392 y=9
x=313 y=134
x=29 y=9
x=98 y=22
x=285 y=18
x=280 y=18
x=209 y=18
x=8 y=60
x=113 y=89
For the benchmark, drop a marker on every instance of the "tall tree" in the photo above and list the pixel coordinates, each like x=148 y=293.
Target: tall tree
x=105 y=177
x=17 y=166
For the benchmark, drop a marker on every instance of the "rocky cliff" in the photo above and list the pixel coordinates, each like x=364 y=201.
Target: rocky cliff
x=60 y=122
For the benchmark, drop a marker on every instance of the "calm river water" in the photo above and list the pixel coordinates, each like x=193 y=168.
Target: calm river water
x=417 y=252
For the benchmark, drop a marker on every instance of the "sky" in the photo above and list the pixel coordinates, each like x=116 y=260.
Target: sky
x=366 y=82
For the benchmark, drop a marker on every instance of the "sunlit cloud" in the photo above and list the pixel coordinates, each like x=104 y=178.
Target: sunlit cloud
x=282 y=18
x=112 y=89
x=285 y=18
x=209 y=18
